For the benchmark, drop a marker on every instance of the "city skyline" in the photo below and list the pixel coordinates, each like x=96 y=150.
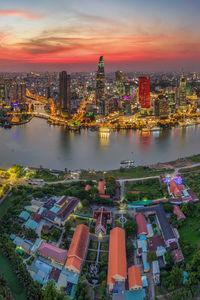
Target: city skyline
x=72 y=35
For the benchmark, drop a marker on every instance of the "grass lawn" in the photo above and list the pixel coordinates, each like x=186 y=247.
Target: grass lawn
x=103 y=257
x=104 y=246
x=190 y=231
x=77 y=221
x=93 y=245
x=194 y=158
x=145 y=190
x=123 y=173
x=91 y=256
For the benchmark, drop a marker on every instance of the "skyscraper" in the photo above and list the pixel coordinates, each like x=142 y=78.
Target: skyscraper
x=182 y=90
x=22 y=92
x=65 y=91
x=100 y=85
x=161 y=107
x=118 y=76
x=144 y=92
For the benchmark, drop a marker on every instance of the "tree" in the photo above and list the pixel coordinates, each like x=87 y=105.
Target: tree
x=130 y=228
x=102 y=275
x=151 y=256
x=49 y=292
x=129 y=248
x=169 y=258
x=168 y=207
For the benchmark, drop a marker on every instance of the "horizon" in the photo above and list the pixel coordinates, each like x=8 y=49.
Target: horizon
x=139 y=36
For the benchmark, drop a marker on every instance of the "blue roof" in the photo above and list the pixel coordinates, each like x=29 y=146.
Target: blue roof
x=185 y=275
x=143 y=237
x=18 y=241
x=136 y=295
x=12 y=236
x=31 y=224
x=55 y=209
x=41 y=210
x=24 y=215
x=144 y=281
x=28 y=242
x=43 y=267
x=146 y=266
x=71 y=276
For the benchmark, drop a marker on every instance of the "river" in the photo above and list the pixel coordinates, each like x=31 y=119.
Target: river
x=38 y=143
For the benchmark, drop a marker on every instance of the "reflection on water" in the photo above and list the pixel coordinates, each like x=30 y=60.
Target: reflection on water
x=104 y=138
x=38 y=143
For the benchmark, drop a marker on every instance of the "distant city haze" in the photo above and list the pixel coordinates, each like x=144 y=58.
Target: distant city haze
x=138 y=35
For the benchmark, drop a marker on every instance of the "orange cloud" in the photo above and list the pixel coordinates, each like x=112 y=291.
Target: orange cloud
x=21 y=13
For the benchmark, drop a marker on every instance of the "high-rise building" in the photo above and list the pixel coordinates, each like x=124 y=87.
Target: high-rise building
x=118 y=76
x=21 y=90
x=161 y=108
x=65 y=91
x=144 y=92
x=48 y=92
x=127 y=89
x=182 y=91
x=2 y=92
x=100 y=86
x=170 y=96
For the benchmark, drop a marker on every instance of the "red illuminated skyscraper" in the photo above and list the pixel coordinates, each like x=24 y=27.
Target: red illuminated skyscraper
x=144 y=92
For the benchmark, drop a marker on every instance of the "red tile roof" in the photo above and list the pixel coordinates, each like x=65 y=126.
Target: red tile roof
x=134 y=277
x=78 y=246
x=36 y=217
x=175 y=188
x=141 y=223
x=101 y=216
x=155 y=242
x=55 y=273
x=100 y=187
x=179 y=213
x=52 y=252
x=117 y=264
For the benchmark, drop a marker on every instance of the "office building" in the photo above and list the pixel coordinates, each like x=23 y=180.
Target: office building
x=144 y=92
x=65 y=92
x=182 y=91
x=118 y=76
x=100 y=86
x=161 y=108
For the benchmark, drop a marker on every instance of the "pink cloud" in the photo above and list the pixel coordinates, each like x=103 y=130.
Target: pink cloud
x=27 y=15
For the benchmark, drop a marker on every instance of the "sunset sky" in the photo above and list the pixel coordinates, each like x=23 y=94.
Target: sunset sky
x=132 y=35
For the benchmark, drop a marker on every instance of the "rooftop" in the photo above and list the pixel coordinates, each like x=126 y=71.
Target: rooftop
x=163 y=221
x=177 y=211
x=67 y=209
x=141 y=224
x=78 y=246
x=52 y=252
x=117 y=264
x=134 y=277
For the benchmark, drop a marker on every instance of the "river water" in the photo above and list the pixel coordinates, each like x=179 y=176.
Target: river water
x=38 y=143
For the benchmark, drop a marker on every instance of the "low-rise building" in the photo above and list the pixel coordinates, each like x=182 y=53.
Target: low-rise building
x=78 y=249
x=53 y=253
x=141 y=224
x=102 y=217
x=134 y=278
x=117 y=264
x=156 y=272
x=180 y=215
